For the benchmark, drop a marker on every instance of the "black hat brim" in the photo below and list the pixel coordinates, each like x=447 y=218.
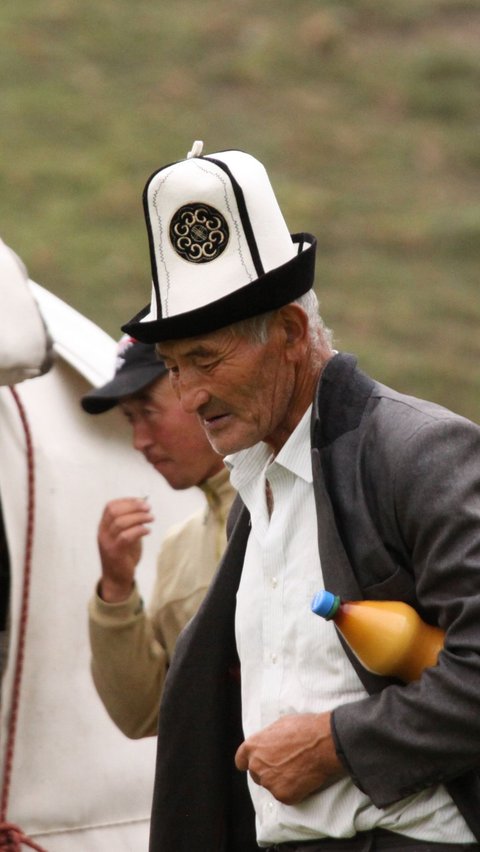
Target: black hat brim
x=270 y=291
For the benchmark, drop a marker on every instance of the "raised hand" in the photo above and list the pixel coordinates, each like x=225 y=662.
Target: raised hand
x=123 y=524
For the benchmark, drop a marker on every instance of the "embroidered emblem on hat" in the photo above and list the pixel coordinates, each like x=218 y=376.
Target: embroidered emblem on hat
x=124 y=344
x=198 y=232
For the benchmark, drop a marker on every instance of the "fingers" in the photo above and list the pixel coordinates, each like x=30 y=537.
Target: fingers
x=123 y=524
x=292 y=758
x=121 y=513
x=241 y=757
x=248 y=760
x=125 y=519
x=242 y=762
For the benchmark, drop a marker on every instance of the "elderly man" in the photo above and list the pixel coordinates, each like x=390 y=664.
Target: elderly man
x=131 y=649
x=344 y=484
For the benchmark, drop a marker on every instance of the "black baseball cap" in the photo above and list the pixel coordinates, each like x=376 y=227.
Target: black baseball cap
x=137 y=366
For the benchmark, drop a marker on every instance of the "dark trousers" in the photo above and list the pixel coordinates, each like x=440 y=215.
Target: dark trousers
x=377 y=840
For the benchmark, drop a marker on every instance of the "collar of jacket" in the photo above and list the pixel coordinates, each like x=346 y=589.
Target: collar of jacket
x=340 y=399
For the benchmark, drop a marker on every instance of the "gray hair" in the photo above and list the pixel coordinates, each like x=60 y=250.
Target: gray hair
x=256 y=328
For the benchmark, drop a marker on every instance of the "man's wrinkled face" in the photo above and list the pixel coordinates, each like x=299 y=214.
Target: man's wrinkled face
x=170 y=438
x=239 y=389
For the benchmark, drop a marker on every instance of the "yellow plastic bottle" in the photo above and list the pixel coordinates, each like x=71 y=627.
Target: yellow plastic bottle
x=388 y=637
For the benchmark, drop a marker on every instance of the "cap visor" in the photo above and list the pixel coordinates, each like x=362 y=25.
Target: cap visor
x=123 y=384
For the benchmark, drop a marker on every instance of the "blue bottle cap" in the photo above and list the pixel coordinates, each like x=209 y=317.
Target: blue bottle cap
x=325 y=604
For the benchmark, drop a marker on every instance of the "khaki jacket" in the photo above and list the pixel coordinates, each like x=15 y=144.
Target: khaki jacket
x=131 y=647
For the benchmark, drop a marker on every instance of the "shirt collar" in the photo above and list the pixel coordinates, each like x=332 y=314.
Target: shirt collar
x=247 y=465
x=217 y=489
x=294 y=456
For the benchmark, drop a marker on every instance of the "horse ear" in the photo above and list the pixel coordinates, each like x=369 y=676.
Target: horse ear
x=25 y=344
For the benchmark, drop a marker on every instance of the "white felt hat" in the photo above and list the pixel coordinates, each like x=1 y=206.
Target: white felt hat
x=219 y=247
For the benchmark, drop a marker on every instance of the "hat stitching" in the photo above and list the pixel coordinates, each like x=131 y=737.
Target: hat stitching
x=244 y=217
x=160 y=250
x=233 y=217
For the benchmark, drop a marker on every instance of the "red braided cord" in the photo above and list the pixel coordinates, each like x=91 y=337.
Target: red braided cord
x=11 y=837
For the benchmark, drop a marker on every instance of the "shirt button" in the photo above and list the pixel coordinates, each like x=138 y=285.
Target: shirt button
x=274 y=582
x=273 y=658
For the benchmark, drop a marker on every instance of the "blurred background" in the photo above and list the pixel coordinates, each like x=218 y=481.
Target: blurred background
x=365 y=113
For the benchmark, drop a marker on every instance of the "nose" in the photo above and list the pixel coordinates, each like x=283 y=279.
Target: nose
x=141 y=434
x=191 y=392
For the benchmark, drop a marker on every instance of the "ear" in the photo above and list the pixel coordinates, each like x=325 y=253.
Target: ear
x=295 y=327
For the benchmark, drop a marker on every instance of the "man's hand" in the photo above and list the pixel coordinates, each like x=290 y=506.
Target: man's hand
x=122 y=526
x=293 y=757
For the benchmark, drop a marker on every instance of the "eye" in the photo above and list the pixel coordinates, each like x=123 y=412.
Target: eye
x=149 y=411
x=173 y=373
x=206 y=364
x=170 y=366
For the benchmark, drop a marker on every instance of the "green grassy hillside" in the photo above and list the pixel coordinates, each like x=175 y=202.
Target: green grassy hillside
x=365 y=113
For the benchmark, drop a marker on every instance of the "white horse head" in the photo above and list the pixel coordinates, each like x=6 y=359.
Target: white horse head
x=25 y=345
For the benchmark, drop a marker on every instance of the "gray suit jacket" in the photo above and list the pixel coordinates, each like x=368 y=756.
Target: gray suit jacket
x=397 y=487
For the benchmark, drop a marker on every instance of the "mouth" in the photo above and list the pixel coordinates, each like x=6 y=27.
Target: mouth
x=157 y=462
x=215 y=421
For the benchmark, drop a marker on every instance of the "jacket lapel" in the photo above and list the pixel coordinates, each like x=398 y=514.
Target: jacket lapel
x=200 y=715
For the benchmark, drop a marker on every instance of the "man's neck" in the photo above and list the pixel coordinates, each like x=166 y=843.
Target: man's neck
x=306 y=381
